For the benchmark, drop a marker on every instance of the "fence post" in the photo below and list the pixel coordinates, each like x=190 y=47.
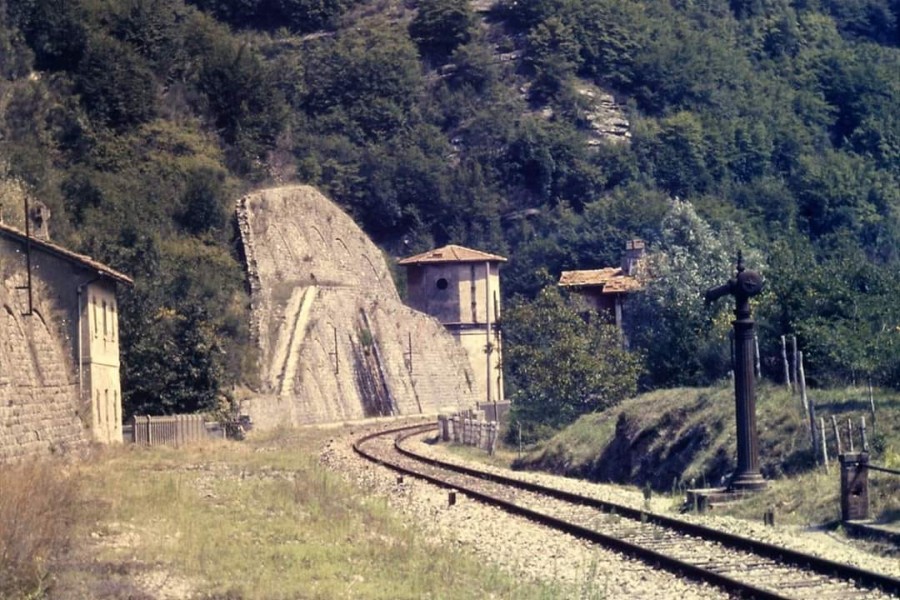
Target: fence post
x=795 y=357
x=149 y=430
x=787 y=371
x=808 y=405
x=837 y=434
x=824 y=445
x=872 y=405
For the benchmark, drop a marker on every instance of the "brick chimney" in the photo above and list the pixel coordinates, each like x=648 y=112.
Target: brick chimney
x=39 y=215
x=634 y=254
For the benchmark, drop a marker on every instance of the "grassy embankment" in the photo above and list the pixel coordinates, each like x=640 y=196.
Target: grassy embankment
x=226 y=520
x=679 y=438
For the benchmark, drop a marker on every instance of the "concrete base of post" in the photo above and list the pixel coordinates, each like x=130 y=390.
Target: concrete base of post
x=748 y=482
x=704 y=499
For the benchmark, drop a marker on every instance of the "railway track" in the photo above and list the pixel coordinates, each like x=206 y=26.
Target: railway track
x=739 y=566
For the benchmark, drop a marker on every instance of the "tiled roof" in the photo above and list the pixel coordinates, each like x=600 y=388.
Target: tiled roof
x=84 y=261
x=611 y=280
x=451 y=253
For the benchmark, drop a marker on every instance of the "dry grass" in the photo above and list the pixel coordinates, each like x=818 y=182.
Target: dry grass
x=39 y=507
x=258 y=520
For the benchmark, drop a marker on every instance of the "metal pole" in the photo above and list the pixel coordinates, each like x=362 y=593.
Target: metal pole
x=748 y=475
x=487 y=319
x=27 y=286
x=743 y=286
x=337 y=363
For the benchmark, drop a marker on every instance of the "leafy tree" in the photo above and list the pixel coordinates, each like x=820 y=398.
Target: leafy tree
x=15 y=57
x=204 y=201
x=441 y=26
x=240 y=90
x=177 y=334
x=475 y=67
x=676 y=154
x=116 y=87
x=611 y=36
x=364 y=83
x=296 y=15
x=153 y=28
x=871 y=19
x=55 y=31
x=552 y=53
x=839 y=305
x=684 y=341
x=561 y=362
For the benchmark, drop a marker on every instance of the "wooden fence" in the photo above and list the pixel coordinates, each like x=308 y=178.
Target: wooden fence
x=171 y=430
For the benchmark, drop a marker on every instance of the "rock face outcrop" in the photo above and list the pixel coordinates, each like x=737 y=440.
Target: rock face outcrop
x=608 y=123
x=335 y=341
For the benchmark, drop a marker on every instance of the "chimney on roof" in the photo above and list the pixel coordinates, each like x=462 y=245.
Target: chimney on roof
x=634 y=254
x=39 y=215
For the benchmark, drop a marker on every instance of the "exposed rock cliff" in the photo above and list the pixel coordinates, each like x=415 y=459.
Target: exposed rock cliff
x=335 y=341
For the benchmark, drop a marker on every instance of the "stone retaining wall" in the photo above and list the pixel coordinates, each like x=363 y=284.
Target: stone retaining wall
x=335 y=341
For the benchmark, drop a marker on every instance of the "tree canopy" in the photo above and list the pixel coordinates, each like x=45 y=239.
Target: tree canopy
x=562 y=362
x=139 y=123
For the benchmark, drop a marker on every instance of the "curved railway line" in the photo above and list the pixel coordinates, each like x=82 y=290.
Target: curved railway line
x=739 y=566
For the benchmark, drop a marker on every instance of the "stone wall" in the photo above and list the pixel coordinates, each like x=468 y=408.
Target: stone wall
x=335 y=341
x=40 y=411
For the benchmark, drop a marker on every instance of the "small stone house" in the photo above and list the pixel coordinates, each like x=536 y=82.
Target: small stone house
x=59 y=345
x=460 y=287
x=606 y=289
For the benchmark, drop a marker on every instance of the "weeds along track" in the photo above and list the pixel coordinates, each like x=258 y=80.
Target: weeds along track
x=737 y=565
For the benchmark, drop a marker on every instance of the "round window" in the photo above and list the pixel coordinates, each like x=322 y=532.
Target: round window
x=441 y=284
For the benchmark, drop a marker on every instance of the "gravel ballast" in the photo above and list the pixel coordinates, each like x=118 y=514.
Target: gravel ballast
x=536 y=553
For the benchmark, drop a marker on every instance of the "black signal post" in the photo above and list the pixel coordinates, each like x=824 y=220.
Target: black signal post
x=743 y=286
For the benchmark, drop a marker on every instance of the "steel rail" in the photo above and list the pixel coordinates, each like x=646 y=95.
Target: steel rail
x=783 y=555
x=653 y=558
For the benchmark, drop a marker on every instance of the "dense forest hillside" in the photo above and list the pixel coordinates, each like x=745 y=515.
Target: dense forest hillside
x=769 y=125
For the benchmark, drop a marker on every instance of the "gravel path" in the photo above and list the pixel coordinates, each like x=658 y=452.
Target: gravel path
x=536 y=553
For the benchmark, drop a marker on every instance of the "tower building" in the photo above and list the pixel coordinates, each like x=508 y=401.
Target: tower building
x=460 y=287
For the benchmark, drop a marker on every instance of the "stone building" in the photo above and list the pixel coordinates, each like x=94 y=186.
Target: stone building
x=460 y=287
x=59 y=345
x=605 y=290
